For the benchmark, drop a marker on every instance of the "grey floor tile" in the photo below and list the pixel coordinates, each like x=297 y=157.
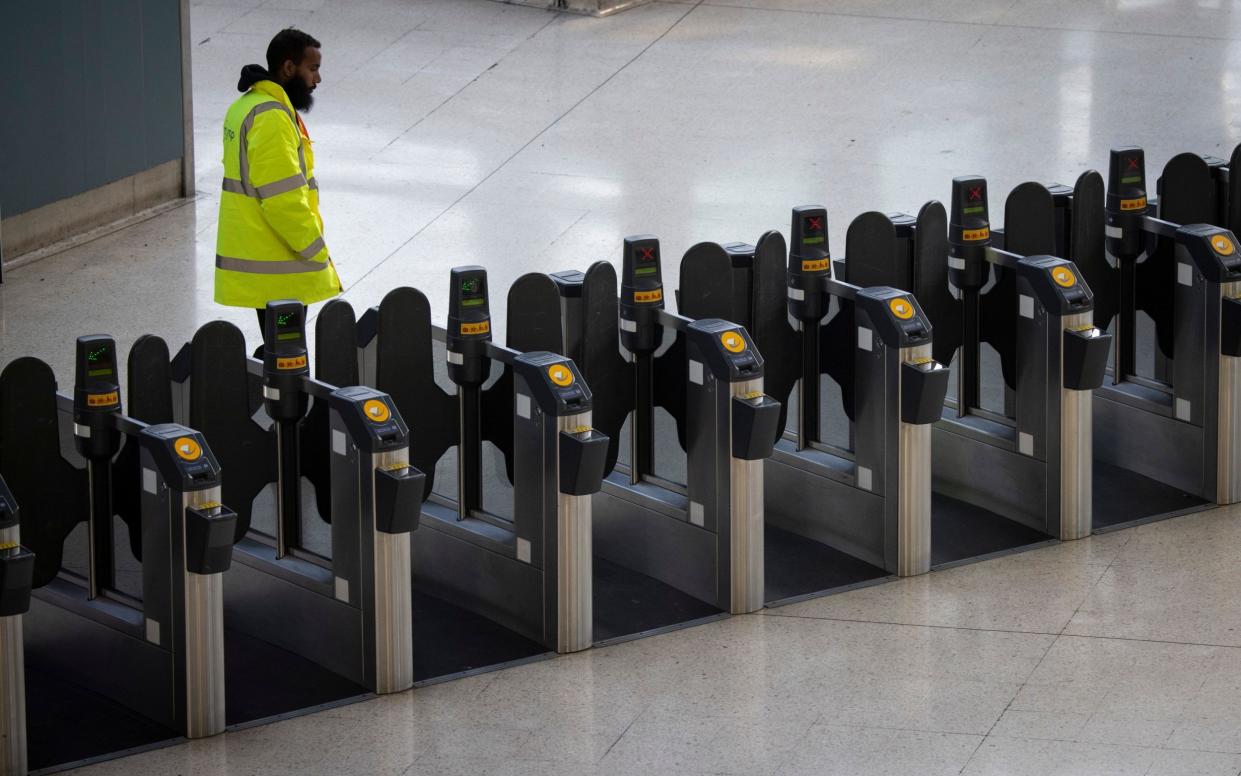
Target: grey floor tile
x=831 y=750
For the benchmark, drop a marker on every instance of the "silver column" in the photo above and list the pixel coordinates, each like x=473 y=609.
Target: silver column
x=746 y=520
x=204 y=636
x=574 y=564
x=913 y=494
x=1228 y=444
x=394 y=618
x=1076 y=444
x=12 y=684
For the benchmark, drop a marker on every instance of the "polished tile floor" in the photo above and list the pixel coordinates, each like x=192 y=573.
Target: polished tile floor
x=467 y=131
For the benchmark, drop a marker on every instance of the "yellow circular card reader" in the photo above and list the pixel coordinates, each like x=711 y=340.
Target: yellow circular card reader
x=1222 y=245
x=901 y=308
x=560 y=374
x=733 y=341
x=1064 y=277
x=187 y=448
x=376 y=411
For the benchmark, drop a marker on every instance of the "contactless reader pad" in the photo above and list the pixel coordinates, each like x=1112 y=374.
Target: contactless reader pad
x=371 y=418
x=1057 y=283
x=555 y=382
x=896 y=315
x=1213 y=250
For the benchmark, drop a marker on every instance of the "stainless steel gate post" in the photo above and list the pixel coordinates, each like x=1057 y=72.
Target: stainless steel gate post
x=559 y=461
x=14 y=601
x=376 y=503
x=185 y=525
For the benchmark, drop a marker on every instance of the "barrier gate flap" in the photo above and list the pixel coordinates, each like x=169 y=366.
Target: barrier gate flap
x=707 y=289
x=930 y=281
x=1233 y=215
x=1029 y=230
x=1087 y=251
x=148 y=399
x=1186 y=196
x=405 y=370
x=601 y=362
x=872 y=258
x=533 y=323
x=336 y=363
x=51 y=491
x=220 y=411
x=768 y=322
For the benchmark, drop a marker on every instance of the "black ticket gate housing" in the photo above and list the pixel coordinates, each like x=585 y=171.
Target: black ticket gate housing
x=303 y=602
x=1011 y=476
x=501 y=556
x=690 y=539
x=1161 y=434
x=118 y=668
x=844 y=514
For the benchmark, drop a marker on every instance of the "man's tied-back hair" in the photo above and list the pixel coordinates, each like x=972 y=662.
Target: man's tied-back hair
x=289 y=44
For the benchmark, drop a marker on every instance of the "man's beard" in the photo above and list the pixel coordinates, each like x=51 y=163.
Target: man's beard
x=299 y=95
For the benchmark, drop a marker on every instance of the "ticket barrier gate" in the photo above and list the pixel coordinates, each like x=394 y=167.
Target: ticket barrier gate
x=1029 y=464
x=871 y=501
x=109 y=669
x=511 y=547
x=1167 y=423
x=316 y=608
x=696 y=531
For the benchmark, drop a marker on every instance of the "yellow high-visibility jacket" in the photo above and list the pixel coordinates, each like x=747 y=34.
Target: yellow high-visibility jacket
x=269 y=242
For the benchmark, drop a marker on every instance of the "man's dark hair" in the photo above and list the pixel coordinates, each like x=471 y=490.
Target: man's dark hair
x=288 y=44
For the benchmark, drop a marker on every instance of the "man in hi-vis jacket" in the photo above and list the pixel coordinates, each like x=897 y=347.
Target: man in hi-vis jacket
x=269 y=243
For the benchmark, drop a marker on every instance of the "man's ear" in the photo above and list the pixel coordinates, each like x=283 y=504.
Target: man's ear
x=287 y=69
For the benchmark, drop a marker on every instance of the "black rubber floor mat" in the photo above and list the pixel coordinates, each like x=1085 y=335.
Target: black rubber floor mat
x=798 y=566
x=66 y=723
x=627 y=603
x=449 y=640
x=263 y=680
x=1123 y=496
x=960 y=531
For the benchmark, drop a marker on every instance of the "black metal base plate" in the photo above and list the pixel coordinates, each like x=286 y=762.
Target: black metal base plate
x=627 y=603
x=1122 y=496
x=961 y=531
x=797 y=566
x=66 y=723
x=450 y=640
x=264 y=681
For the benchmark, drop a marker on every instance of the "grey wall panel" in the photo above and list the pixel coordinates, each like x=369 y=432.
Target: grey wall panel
x=93 y=95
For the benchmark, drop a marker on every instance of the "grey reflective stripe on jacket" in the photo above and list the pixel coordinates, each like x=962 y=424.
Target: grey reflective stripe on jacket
x=260 y=267
x=293 y=182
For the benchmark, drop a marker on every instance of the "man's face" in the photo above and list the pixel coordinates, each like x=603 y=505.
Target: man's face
x=300 y=80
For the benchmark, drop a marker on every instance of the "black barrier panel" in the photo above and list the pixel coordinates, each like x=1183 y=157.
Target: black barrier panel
x=930 y=281
x=1233 y=209
x=336 y=363
x=768 y=324
x=51 y=491
x=220 y=411
x=533 y=324
x=1087 y=246
x=1186 y=196
x=601 y=362
x=405 y=370
x=148 y=399
x=873 y=257
x=707 y=290
x=1029 y=230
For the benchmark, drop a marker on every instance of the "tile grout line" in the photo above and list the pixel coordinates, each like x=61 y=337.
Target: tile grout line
x=526 y=145
x=465 y=86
